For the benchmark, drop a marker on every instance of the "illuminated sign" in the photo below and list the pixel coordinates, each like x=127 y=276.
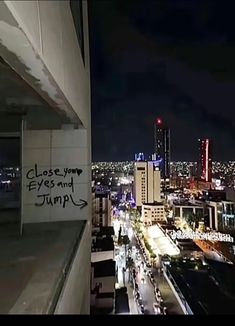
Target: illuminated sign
x=211 y=236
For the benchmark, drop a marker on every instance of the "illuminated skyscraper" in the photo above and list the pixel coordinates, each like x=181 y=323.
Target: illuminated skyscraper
x=147 y=184
x=162 y=147
x=205 y=161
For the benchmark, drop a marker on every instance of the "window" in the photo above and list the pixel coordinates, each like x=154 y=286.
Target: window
x=76 y=10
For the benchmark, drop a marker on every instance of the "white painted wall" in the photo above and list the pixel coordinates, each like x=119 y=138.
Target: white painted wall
x=56 y=149
x=75 y=297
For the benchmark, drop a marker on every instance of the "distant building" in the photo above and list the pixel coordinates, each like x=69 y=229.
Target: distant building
x=101 y=208
x=230 y=194
x=153 y=213
x=213 y=195
x=162 y=147
x=185 y=209
x=223 y=216
x=205 y=160
x=147 y=183
x=139 y=157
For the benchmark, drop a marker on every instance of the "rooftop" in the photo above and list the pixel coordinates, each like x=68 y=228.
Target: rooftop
x=103 y=244
x=208 y=297
x=154 y=204
x=103 y=231
x=121 y=302
x=104 y=268
x=32 y=266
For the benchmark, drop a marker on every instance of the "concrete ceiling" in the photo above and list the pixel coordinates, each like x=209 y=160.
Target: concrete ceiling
x=18 y=99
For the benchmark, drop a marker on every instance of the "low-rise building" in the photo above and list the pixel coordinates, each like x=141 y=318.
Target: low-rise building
x=183 y=210
x=103 y=270
x=223 y=215
x=103 y=276
x=153 y=213
x=101 y=208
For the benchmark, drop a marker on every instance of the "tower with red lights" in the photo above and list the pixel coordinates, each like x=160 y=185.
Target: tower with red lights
x=205 y=160
x=162 y=147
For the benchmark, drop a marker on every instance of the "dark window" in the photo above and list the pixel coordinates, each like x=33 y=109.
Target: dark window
x=140 y=169
x=76 y=9
x=177 y=212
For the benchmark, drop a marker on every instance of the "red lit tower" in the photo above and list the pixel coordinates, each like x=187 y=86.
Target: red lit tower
x=205 y=160
x=162 y=147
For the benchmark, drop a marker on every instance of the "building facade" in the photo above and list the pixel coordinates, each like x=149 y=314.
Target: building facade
x=153 y=213
x=101 y=208
x=223 y=216
x=44 y=59
x=162 y=147
x=147 y=183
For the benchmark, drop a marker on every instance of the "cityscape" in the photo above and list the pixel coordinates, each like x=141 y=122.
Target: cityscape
x=117 y=166
x=177 y=219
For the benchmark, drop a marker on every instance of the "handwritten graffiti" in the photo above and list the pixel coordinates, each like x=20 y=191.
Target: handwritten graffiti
x=37 y=185
x=62 y=200
x=58 y=178
x=34 y=173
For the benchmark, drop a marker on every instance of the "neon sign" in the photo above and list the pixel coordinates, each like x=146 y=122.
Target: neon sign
x=211 y=236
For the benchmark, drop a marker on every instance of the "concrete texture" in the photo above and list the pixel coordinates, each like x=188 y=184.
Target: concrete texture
x=31 y=266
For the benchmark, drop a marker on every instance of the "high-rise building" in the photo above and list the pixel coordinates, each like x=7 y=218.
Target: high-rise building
x=205 y=161
x=44 y=61
x=139 y=157
x=162 y=147
x=147 y=183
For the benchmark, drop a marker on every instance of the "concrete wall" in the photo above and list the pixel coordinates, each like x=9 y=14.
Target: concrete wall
x=75 y=297
x=62 y=160
x=38 y=40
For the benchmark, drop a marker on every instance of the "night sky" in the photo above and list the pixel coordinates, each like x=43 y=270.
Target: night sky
x=169 y=59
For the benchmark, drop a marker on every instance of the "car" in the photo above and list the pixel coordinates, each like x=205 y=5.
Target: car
x=137 y=296
x=159 y=299
x=164 y=310
x=157 y=309
x=157 y=291
x=140 y=301
x=142 y=309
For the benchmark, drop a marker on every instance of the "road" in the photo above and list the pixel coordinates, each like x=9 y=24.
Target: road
x=146 y=288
